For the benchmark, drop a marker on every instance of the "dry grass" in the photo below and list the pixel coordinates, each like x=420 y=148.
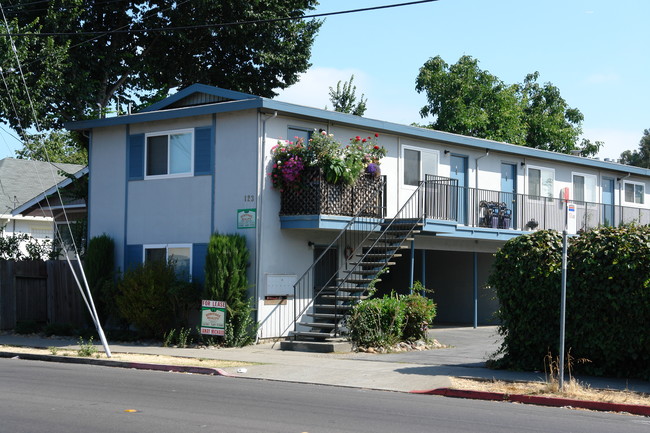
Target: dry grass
x=572 y=389
x=134 y=357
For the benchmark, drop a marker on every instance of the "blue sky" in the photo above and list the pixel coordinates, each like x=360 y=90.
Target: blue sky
x=594 y=51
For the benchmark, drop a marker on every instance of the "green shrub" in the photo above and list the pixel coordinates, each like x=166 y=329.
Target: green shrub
x=154 y=299
x=608 y=300
x=99 y=265
x=419 y=312
x=377 y=322
x=225 y=280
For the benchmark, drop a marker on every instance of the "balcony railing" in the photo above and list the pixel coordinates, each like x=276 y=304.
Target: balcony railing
x=473 y=207
x=315 y=196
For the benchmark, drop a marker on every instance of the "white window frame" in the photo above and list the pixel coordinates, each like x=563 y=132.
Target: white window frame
x=167 y=247
x=542 y=170
x=168 y=134
x=630 y=182
x=594 y=178
x=292 y=137
x=421 y=150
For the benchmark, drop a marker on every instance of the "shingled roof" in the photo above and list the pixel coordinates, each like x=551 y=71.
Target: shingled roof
x=21 y=180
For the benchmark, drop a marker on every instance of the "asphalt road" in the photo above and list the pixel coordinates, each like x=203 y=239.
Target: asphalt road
x=55 y=398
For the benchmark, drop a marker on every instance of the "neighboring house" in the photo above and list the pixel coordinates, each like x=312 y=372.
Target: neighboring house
x=28 y=200
x=164 y=179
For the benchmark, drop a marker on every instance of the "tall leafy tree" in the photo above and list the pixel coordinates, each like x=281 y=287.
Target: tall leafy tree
x=52 y=146
x=142 y=49
x=464 y=99
x=641 y=156
x=344 y=99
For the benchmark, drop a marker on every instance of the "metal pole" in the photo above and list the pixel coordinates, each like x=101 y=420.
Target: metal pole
x=424 y=269
x=475 y=290
x=563 y=295
x=412 y=265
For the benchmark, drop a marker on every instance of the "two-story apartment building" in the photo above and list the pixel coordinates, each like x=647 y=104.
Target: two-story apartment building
x=163 y=179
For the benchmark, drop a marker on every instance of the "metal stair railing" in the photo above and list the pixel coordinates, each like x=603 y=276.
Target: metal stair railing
x=412 y=210
x=373 y=209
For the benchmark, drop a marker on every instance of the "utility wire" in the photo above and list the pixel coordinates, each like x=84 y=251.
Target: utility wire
x=216 y=25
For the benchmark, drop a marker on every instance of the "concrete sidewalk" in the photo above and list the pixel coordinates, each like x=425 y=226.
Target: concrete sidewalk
x=405 y=372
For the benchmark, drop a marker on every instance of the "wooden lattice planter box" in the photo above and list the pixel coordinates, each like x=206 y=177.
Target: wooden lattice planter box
x=318 y=197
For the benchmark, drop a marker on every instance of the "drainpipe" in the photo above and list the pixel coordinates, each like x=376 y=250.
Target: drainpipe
x=258 y=225
x=487 y=152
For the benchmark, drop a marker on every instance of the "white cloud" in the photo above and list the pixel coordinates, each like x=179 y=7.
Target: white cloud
x=602 y=78
x=616 y=140
x=313 y=86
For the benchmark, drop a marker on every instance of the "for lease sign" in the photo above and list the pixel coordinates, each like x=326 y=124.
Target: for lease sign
x=213 y=317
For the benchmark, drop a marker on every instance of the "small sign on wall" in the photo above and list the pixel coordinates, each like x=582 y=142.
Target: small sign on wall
x=213 y=317
x=280 y=284
x=246 y=218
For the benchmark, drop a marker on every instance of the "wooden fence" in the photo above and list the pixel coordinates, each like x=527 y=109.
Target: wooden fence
x=43 y=292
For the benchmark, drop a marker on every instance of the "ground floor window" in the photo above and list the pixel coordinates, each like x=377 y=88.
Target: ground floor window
x=179 y=255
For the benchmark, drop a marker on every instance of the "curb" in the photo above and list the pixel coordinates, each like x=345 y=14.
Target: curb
x=119 y=364
x=538 y=400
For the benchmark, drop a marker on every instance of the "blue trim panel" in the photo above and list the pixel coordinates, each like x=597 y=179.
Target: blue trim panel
x=135 y=157
x=132 y=256
x=199 y=253
x=203 y=150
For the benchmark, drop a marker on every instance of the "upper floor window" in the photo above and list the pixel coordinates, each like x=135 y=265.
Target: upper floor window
x=295 y=133
x=417 y=163
x=584 y=188
x=634 y=192
x=169 y=153
x=540 y=181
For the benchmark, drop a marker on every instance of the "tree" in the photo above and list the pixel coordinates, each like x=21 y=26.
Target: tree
x=640 y=157
x=465 y=99
x=53 y=146
x=139 y=50
x=343 y=99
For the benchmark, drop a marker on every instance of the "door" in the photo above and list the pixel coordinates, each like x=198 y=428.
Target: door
x=508 y=195
x=608 y=201
x=459 y=174
x=325 y=269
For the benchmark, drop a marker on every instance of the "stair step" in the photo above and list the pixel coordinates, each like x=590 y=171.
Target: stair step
x=373 y=264
x=400 y=232
x=325 y=325
x=389 y=247
x=345 y=307
x=344 y=297
x=333 y=289
x=379 y=256
x=325 y=316
x=311 y=334
x=387 y=240
x=359 y=280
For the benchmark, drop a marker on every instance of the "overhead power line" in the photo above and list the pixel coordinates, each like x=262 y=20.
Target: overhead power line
x=218 y=25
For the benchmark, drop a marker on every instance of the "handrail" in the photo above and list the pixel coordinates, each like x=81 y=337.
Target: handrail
x=372 y=201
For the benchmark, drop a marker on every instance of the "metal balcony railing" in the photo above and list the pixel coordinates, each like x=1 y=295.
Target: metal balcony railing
x=475 y=207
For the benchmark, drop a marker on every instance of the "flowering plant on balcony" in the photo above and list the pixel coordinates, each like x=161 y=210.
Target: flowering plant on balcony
x=340 y=165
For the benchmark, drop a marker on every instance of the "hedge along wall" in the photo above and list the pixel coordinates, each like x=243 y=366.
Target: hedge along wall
x=608 y=300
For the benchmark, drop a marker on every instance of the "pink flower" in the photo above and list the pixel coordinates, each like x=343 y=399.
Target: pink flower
x=357 y=138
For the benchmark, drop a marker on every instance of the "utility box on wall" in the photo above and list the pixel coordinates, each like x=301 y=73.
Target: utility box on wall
x=280 y=284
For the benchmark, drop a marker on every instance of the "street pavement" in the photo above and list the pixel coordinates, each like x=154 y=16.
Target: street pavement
x=465 y=356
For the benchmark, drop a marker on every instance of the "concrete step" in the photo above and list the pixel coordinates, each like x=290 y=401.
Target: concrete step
x=331 y=346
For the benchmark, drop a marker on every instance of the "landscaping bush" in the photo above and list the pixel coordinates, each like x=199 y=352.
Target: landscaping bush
x=153 y=298
x=99 y=264
x=225 y=280
x=384 y=322
x=608 y=300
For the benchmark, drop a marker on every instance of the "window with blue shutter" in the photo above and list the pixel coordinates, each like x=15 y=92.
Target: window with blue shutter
x=132 y=256
x=199 y=253
x=203 y=145
x=136 y=157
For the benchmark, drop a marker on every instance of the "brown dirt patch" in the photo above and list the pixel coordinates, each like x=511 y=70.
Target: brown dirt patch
x=132 y=357
x=572 y=389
